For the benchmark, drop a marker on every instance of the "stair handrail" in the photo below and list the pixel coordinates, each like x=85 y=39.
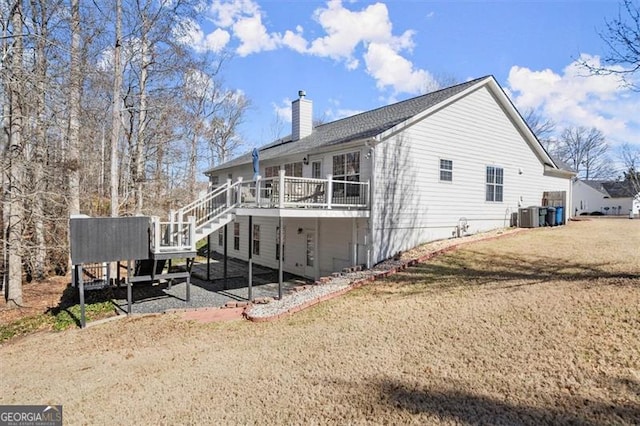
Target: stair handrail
x=205 y=209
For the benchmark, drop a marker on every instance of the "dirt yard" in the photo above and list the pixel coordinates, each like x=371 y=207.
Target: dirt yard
x=541 y=327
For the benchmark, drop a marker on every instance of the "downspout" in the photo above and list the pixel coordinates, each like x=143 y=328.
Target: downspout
x=371 y=144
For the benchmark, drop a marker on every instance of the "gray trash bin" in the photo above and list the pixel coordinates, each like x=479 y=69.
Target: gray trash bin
x=542 y=214
x=551 y=216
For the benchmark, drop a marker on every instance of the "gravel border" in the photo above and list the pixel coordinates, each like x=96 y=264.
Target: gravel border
x=329 y=287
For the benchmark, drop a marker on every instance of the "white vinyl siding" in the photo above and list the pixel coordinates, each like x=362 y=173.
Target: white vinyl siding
x=334 y=237
x=475 y=132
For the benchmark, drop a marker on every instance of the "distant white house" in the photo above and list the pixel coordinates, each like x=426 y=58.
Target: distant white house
x=358 y=190
x=606 y=197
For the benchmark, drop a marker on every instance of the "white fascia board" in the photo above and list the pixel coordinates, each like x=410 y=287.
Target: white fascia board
x=555 y=172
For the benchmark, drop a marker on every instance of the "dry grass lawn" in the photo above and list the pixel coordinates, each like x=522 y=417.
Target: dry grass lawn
x=542 y=327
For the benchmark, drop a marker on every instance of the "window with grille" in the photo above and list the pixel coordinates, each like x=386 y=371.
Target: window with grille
x=316 y=170
x=293 y=169
x=346 y=167
x=494 y=184
x=236 y=236
x=446 y=170
x=256 y=240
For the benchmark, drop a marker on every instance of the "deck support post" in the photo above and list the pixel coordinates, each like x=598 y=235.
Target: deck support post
x=329 y=191
x=78 y=271
x=129 y=291
x=249 y=289
x=281 y=257
x=316 y=247
x=354 y=239
x=209 y=257
x=224 y=261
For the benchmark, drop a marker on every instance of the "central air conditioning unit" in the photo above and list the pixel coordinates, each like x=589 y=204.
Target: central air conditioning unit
x=528 y=217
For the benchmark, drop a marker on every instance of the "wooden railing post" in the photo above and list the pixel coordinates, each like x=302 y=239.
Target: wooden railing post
x=258 y=180
x=228 y=193
x=281 y=189
x=329 y=190
x=157 y=237
x=366 y=193
x=239 y=191
x=177 y=237
x=192 y=233
x=172 y=220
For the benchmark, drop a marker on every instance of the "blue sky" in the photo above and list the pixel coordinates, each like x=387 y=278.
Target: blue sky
x=352 y=56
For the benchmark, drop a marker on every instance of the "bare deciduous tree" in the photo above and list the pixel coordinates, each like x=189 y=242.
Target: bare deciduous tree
x=630 y=156
x=541 y=126
x=586 y=151
x=622 y=36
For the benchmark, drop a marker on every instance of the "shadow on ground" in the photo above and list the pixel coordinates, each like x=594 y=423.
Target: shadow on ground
x=468 y=408
x=471 y=268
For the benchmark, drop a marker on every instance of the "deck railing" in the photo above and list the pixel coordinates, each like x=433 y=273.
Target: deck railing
x=195 y=219
x=287 y=191
x=173 y=236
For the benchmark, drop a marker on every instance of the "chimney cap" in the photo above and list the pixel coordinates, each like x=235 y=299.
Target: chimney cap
x=302 y=94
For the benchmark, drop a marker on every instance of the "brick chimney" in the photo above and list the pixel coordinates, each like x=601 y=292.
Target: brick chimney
x=301 y=117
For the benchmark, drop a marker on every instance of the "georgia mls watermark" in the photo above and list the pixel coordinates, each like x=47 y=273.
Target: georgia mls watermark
x=30 y=415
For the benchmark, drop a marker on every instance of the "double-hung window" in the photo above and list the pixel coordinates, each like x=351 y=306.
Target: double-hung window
x=494 y=184
x=256 y=240
x=236 y=236
x=446 y=170
x=346 y=167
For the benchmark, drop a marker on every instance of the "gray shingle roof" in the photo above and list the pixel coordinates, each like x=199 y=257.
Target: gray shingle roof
x=360 y=126
x=613 y=188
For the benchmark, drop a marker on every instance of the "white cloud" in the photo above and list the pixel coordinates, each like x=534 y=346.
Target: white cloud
x=372 y=29
x=243 y=18
x=576 y=98
x=350 y=37
x=226 y=13
x=390 y=69
x=189 y=32
x=295 y=41
x=253 y=36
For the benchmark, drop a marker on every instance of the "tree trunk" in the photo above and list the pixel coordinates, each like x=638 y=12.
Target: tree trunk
x=75 y=88
x=39 y=259
x=116 y=111
x=15 y=154
x=139 y=177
